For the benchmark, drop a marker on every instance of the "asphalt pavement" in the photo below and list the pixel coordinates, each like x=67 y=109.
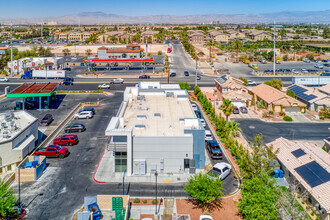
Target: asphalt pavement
x=292 y=131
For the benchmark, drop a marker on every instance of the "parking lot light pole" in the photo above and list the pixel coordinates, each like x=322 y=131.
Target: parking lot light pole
x=274 y=50
x=156 y=174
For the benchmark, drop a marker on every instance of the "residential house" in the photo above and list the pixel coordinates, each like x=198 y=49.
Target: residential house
x=311 y=96
x=219 y=37
x=197 y=38
x=306 y=167
x=231 y=88
x=233 y=34
x=276 y=100
x=257 y=35
x=147 y=34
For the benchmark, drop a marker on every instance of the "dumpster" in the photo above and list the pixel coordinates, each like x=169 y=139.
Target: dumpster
x=280 y=172
x=276 y=173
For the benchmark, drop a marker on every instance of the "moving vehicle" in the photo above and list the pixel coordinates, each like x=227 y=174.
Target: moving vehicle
x=104 y=86
x=67 y=83
x=203 y=122
x=220 y=170
x=43 y=74
x=46 y=120
x=208 y=135
x=68 y=139
x=214 y=149
x=243 y=110
x=4 y=79
x=77 y=127
x=172 y=74
x=117 y=81
x=53 y=151
x=83 y=115
x=194 y=107
x=186 y=73
x=236 y=111
x=144 y=77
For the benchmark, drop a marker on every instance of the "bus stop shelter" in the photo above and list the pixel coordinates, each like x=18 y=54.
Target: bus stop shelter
x=34 y=90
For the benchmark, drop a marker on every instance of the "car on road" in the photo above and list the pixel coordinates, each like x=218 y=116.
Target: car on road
x=173 y=74
x=220 y=170
x=243 y=110
x=318 y=66
x=198 y=77
x=104 y=86
x=203 y=122
x=236 y=111
x=144 y=77
x=205 y=217
x=208 y=135
x=68 y=79
x=214 y=149
x=68 y=139
x=83 y=115
x=53 y=151
x=67 y=83
x=77 y=127
x=186 y=73
x=46 y=120
x=306 y=60
x=4 y=79
x=117 y=81
x=194 y=106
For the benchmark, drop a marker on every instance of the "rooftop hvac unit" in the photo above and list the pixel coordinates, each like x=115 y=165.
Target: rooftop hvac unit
x=8 y=117
x=5 y=134
x=140 y=97
x=169 y=94
x=4 y=125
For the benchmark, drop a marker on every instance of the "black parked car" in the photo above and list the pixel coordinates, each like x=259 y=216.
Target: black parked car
x=144 y=77
x=214 y=149
x=67 y=83
x=236 y=111
x=186 y=73
x=75 y=128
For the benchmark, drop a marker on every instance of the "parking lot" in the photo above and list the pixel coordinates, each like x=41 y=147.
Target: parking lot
x=289 y=67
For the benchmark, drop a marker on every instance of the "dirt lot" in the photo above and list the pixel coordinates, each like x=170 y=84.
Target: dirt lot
x=227 y=210
x=81 y=49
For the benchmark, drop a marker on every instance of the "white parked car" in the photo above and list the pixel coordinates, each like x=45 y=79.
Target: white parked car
x=318 y=66
x=117 y=81
x=84 y=115
x=208 y=135
x=203 y=122
x=220 y=170
x=194 y=107
x=104 y=86
x=4 y=79
x=205 y=217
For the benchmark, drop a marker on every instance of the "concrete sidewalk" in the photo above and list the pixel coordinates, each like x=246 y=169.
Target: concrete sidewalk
x=105 y=173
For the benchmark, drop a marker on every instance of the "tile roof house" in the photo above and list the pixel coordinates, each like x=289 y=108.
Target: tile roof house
x=233 y=89
x=314 y=98
x=276 y=100
x=259 y=35
x=307 y=167
x=197 y=37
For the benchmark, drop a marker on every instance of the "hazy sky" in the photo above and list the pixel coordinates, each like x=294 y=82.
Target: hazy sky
x=49 y=8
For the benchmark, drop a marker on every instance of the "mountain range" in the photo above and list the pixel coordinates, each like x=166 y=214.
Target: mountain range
x=90 y=18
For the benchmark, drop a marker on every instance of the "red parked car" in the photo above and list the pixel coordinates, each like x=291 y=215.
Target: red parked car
x=69 y=139
x=53 y=151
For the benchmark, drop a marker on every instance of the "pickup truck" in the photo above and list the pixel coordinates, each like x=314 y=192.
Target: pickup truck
x=53 y=151
x=69 y=139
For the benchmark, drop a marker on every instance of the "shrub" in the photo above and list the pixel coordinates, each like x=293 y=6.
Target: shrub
x=290 y=93
x=144 y=201
x=136 y=200
x=282 y=114
x=287 y=118
x=271 y=112
x=285 y=57
x=265 y=115
x=154 y=201
x=324 y=148
x=261 y=104
x=322 y=117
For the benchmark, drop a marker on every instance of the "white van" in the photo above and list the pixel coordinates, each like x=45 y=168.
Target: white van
x=208 y=135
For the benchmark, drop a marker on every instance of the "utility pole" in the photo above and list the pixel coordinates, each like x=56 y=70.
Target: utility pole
x=42 y=26
x=196 y=72
x=274 y=51
x=11 y=49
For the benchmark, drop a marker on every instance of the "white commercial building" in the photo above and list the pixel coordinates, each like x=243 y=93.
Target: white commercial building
x=18 y=137
x=156 y=129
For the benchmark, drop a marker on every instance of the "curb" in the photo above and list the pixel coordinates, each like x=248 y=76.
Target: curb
x=98 y=167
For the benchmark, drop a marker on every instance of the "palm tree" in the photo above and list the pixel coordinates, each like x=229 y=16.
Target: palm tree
x=210 y=43
x=227 y=108
x=232 y=128
x=237 y=44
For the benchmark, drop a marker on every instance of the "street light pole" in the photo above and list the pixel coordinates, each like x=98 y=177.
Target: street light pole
x=274 y=51
x=11 y=49
x=196 y=72
x=156 y=174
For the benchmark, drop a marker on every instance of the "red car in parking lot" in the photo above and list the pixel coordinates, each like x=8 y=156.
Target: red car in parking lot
x=69 y=139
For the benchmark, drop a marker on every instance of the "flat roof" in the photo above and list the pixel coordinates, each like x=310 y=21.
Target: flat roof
x=159 y=115
x=117 y=60
x=34 y=90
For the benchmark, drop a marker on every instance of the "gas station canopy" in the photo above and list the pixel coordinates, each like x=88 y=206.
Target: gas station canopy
x=34 y=90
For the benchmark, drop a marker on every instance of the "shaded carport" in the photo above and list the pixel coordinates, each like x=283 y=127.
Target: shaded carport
x=34 y=90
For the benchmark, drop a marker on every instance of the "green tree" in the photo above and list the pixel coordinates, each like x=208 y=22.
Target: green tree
x=205 y=189
x=276 y=83
x=291 y=93
x=310 y=57
x=232 y=128
x=260 y=196
x=7 y=202
x=285 y=57
x=245 y=82
x=184 y=85
x=66 y=52
x=227 y=108
x=237 y=44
